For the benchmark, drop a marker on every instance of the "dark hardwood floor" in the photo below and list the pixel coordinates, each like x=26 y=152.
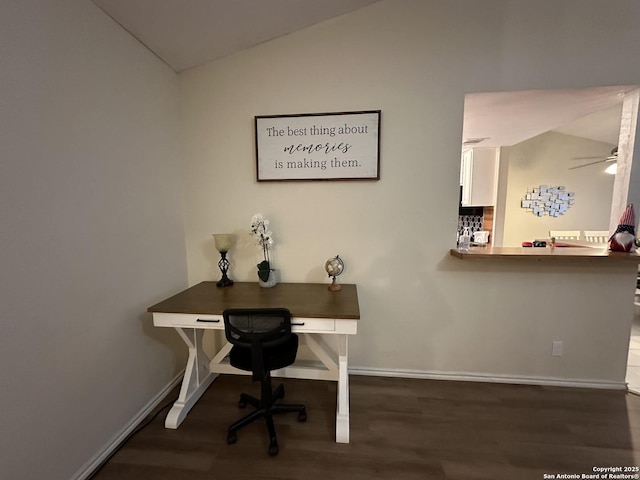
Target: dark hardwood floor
x=400 y=429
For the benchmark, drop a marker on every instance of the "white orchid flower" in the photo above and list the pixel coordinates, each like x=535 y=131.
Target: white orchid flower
x=264 y=237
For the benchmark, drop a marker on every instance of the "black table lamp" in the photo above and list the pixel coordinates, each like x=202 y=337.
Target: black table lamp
x=223 y=245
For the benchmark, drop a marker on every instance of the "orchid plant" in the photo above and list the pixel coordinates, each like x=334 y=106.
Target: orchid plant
x=264 y=238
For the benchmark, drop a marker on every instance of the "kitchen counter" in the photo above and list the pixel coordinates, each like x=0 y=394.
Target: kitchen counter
x=547 y=254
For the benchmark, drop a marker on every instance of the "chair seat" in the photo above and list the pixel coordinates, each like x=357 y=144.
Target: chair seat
x=274 y=358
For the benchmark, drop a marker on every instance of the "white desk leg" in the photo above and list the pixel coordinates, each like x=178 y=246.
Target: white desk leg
x=197 y=377
x=342 y=410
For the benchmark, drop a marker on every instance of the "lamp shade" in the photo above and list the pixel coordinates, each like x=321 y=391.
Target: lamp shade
x=223 y=241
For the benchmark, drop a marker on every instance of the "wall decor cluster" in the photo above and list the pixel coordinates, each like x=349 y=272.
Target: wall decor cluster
x=318 y=146
x=546 y=200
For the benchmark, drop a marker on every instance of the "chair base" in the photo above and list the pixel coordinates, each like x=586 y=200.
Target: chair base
x=265 y=411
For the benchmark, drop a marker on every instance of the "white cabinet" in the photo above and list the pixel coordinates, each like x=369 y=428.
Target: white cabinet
x=479 y=176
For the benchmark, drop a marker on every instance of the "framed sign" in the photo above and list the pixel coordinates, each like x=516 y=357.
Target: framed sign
x=318 y=146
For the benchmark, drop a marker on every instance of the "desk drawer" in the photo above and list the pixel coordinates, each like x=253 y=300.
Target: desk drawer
x=313 y=324
x=215 y=322
x=188 y=320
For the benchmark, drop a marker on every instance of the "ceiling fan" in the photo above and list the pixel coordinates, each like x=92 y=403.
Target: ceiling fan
x=611 y=158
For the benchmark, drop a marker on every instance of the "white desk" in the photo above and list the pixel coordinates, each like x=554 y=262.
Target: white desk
x=314 y=310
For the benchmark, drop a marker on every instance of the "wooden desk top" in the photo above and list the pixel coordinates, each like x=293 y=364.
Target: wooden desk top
x=548 y=254
x=305 y=300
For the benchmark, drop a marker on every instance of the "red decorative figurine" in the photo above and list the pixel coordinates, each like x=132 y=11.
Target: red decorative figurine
x=624 y=238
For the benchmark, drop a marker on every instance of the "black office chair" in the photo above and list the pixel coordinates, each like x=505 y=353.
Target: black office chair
x=262 y=342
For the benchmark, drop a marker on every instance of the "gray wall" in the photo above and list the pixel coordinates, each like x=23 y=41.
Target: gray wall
x=92 y=233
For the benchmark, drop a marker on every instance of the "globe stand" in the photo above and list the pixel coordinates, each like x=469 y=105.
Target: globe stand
x=335 y=286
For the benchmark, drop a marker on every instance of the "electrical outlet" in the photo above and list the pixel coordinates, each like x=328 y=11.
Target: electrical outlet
x=556 y=348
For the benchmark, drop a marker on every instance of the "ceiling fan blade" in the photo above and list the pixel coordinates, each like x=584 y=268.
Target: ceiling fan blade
x=611 y=158
x=590 y=163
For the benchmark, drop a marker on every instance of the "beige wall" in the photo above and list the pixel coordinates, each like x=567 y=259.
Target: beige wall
x=423 y=312
x=92 y=234
x=545 y=160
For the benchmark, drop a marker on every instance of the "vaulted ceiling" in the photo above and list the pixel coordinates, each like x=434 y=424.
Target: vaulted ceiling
x=507 y=118
x=189 y=33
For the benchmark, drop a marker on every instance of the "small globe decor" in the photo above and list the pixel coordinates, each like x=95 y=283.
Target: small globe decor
x=334 y=267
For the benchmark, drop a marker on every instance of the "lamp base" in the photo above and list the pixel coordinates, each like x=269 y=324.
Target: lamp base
x=223 y=264
x=224 y=282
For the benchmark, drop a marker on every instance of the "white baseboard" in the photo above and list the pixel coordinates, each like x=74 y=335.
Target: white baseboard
x=88 y=468
x=488 y=378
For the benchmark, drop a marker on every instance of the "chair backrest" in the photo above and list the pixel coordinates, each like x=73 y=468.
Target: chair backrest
x=245 y=327
x=257 y=329
x=565 y=234
x=597 y=236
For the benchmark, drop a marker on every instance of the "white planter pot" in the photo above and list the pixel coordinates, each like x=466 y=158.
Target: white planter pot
x=272 y=281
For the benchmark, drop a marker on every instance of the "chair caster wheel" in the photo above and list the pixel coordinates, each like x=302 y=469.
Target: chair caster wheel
x=232 y=437
x=273 y=448
x=302 y=416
